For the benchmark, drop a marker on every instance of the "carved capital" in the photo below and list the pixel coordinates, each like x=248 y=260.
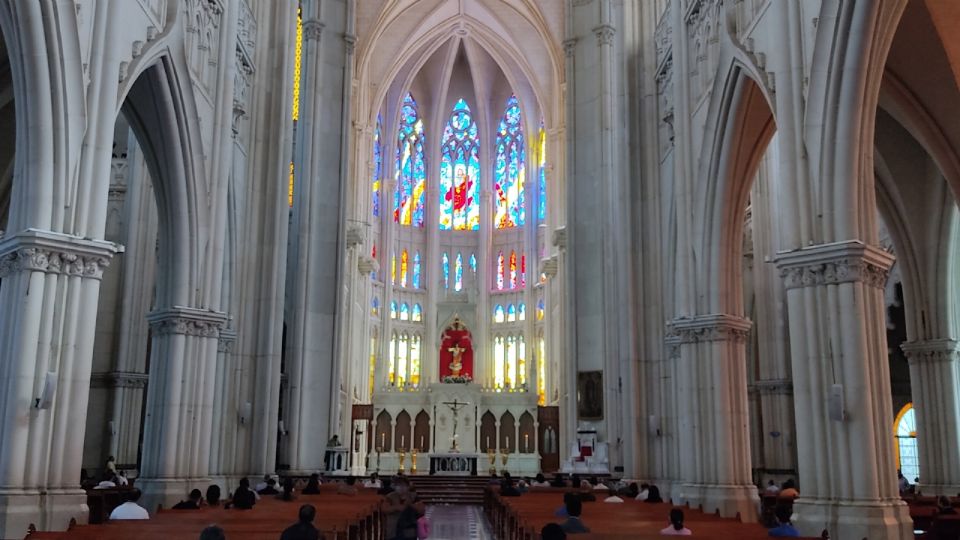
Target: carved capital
x=549 y=265
x=350 y=41
x=367 y=264
x=560 y=237
x=703 y=328
x=831 y=264
x=932 y=350
x=312 y=29
x=34 y=250
x=354 y=234
x=187 y=321
x=569 y=46
x=604 y=34
x=225 y=342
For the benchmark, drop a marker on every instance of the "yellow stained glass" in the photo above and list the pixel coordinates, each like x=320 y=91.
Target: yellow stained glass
x=541 y=373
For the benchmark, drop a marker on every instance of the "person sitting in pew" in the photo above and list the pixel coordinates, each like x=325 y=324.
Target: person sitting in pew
x=676 y=527
x=644 y=492
x=586 y=492
x=653 y=495
x=270 y=488
x=386 y=488
x=243 y=498
x=558 y=481
x=573 y=525
x=213 y=495
x=944 y=506
x=539 y=481
x=263 y=484
x=348 y=487
x=287 y=493
x=562 y=511
x=552 y=531
x=192 y=503
x=303 y=529
x=130 y=509
x=597 y=484
x=373 y=482
x=213 y=533
x=784 y=527
x=789 y=489
x=507 y=489
x=313 y=485
x=630 y=491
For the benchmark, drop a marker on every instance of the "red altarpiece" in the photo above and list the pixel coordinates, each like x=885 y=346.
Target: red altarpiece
x=456 y=343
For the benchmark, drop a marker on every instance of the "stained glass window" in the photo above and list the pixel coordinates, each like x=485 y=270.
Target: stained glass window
x=373 y=254
x=510 y=361
x=513 y=269
x=404 y=260
x=377 y=166
x=460 y=172
x=416 y=270
x=521 y=361
x=375 y=306
x=498 y=361
x=905 y=431
x=541 y=311
x=402 y=359
x=509 y=171
x=393 y=269
x=500 y=271
x=445 y=263
x=541 y=372
x=542 y=181
x=393 y=309
x=295 y=109
x=523 y=270
x=473 y=262
x=458 y=273
x=373 y=360
x=409 y=198
x=415 y=360
x=521 y=311
x=511 y=313
x=404 y=311
x=498 y=314
x=417 y=314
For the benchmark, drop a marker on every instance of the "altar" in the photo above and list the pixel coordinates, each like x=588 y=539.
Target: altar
x=453 y=464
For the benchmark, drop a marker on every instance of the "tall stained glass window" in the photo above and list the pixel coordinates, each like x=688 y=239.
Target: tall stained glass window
x=460 y=172
x=377 y=166
x=509 y=173
x=458 y=273
x=542 y=180
x=513 y=269
x=500 y=271
x=403 y=268
x=416 y=270
x=411 y=177
x=445 y=264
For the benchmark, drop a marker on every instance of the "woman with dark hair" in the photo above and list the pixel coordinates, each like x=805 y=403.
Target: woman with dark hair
x=676 y=527
x=653 y=495
x=286 y=491
x=313 y=485
x=243 y=497
x=213 y=495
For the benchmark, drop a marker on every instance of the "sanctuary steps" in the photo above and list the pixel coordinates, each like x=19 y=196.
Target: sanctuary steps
x=450 y=489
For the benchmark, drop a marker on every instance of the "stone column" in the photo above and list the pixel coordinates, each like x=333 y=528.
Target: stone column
x=936 y=403
x=180 y=403
x=713 y=416
x=48 y=302
x=846 y=464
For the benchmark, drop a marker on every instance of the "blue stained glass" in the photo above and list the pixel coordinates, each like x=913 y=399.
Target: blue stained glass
x=542 y=207
x=445 y=262
x=511 y=313
x=460 y=172
x=409 y=197
x=521 y=312
x=416 y=270
x=377 y=166
x=458 y=276
x=473 y=263
x=393 y=309
x=498 y=314
x=417 y=313
x=509 y=170
x=404 y=312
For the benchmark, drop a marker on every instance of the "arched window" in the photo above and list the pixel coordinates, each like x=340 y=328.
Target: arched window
x=402 y=355
x=521 y=311
x=393 y=269
x=523 y=270
x=541 y=371
x=373 y=361
x=498 y=316
x=411 y=177
x=541 y=311
x=415 y=360
x=500 y=271
x=498 y=362
x=460 y=172
x=905 y=433
x=377 y=166
x=473 y=262
x=521 y=348
x=375 y=306
x=510 y=362
x=509 y=171
x=511 y=313
x=393 y=309
x=416 y=270
x=542 y=180
x=417 y=314
x=404 y=311
x=403 y=268
x=445 y=264
x=458 y=273
x=513 y=269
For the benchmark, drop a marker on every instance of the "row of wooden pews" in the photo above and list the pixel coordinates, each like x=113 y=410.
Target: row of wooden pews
x=521 y=518
x=339 y=517
x=924 y=511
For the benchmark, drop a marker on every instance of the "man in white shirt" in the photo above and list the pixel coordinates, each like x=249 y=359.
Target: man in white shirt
x=262 y=485
x=121 y=479
x=772 y=489
x=130 y=509
x=644 y=491
x=373 y=482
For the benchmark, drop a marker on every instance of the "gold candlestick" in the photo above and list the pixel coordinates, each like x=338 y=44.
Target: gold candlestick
x=402 y=456
x=413 y=461
x=493 y=461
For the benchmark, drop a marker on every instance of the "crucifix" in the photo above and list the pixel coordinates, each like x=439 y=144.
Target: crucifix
x=456 y=366
x=455 y=406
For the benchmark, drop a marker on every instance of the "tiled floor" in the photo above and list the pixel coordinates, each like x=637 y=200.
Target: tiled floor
x=458 y=522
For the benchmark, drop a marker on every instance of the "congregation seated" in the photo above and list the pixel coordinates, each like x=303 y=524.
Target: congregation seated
x=243 y=498
x=213 y=532
x=386 y=488
x=313 y=485
x=630 y=491
x=130 y=509
x=373 y=482
x=507 y=489
x=944 y=507
x=676 y=527
x=558 y=481
x=270 y=488
x=348 y=487
x=586 y=491
x=552 y=531
x=784 y=528
x=597 y=484
x=539 y=481
x=653 y=495
x=263 y=483
x=287 y=492
x=573 y=524
x=192 y=503
x=562 y=511
x=644 y=492
x=397 y=501
x=303 y=529
x=213 y=495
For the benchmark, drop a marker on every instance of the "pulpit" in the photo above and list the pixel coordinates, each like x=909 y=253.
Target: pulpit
x=337 y=459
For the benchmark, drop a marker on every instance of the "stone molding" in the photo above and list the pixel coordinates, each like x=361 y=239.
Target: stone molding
x=931 y=350
x=549 y=265
x=34 y=250
x=830 y=264
x=705 y=328
x=604 y=34
x=367 y=264
x=118 y=379
x=560 y=237
x=187 y=321
x=772 y=387
x=312 y=29
x=226 y=340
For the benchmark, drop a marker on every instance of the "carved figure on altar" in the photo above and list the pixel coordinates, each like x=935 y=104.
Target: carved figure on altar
x=456 y=353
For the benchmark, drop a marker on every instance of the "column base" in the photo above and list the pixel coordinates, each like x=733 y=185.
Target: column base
x=728 y=500
x=876 y=520
x=52 y=511
x=168 y=491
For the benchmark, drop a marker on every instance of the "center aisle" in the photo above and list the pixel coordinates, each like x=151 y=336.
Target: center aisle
x=458 y=522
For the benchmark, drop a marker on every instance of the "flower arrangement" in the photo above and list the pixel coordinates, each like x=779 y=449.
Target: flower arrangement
x=460 y=379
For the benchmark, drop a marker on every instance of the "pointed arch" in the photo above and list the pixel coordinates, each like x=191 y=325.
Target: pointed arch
x=411 y=173
x=510 y=169
x=460 y=172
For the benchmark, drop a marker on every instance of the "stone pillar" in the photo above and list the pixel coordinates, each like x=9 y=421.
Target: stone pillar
x=936 y=403
x=180 y=403
x=48 y=302
x=713 y=416
x=836 y=313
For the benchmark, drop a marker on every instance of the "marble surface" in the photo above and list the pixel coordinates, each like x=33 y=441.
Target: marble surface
x=458 y=522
